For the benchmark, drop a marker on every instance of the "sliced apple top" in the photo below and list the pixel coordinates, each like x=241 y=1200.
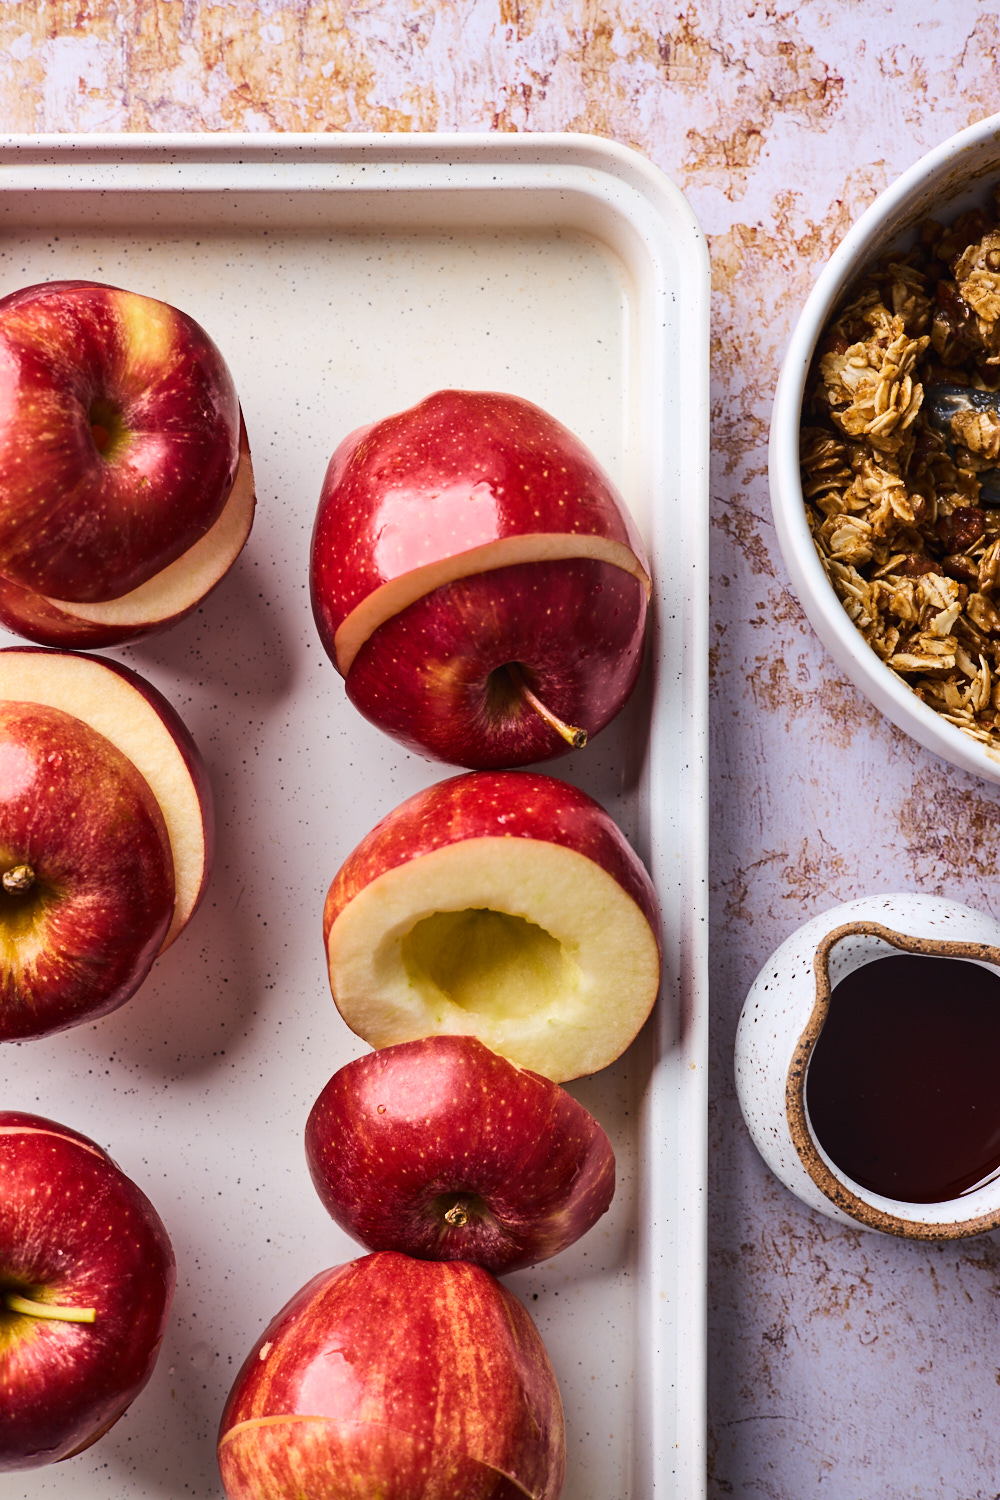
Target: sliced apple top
x=464 y=482
x=136 y=718
x=505 y=905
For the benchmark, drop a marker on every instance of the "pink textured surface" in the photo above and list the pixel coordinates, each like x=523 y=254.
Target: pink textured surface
x=841 y=1364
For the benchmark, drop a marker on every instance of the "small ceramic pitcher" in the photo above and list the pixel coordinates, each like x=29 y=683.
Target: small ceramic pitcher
x=782 y=1018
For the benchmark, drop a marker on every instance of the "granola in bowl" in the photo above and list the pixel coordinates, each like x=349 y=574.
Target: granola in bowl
x=900 y=465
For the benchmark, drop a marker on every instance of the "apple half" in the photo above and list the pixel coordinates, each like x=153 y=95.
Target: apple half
x=444 y=1150
x=136 y=718
x=157 y=604
x=398 y=1378
x=504 y=905
x=478 y=581
x=87 y=1275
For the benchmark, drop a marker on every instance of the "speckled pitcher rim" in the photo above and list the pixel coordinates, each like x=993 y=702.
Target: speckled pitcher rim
x=832 y=1187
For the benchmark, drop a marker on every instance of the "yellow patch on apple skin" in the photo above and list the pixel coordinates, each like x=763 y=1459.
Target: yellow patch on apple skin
x=16 y=1329
x=23 y=932
x=149 y=330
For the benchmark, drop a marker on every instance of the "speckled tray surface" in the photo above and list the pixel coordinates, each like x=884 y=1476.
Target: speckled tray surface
x=345 y=278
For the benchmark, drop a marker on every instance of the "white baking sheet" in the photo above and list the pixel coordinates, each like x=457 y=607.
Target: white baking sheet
x=344 y=278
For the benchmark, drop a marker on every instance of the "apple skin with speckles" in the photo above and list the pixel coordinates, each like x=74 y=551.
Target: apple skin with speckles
x=402 y=1378
x=75 y=1232
x=123 y=707
x=464 y=550
x=506 y=905
x=119 y=439
x=444 y=1150
x=87 y=887
x=161 y=602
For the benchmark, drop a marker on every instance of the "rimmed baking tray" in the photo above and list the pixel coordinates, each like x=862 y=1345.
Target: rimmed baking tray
x=345 y=277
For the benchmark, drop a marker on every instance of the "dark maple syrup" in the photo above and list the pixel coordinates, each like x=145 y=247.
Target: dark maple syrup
x=903 y=1087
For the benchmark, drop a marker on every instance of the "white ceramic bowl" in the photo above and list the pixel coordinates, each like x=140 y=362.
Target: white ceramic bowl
x=955 y=176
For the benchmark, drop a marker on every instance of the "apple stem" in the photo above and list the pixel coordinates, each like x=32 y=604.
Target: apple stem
x=457 y=1215
x=18 y=880
x=16 y=1303
x=569 y=732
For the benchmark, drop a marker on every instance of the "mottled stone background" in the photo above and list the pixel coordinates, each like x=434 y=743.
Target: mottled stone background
x=841 y=1364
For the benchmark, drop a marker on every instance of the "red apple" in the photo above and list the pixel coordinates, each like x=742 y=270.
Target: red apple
x=86 y=1279
x=119 y=438
x=136 y=718
x=397 y=1378
x=160 y=602
x=444 y=1150
x=86 y=873
x=506 y=905
x=478 y=581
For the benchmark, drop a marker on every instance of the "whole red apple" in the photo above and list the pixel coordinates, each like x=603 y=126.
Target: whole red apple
x=86 y=1278
x=397 y=1378
x=478 y=581
x=444 y=1150
x=86 y=873
x=506 y=905
x=119 y=438
x=127 y=710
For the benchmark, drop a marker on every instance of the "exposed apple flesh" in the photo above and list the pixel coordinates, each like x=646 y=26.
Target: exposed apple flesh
x=160 y=602
x=135 y=717
x=76 y=1236
x=396 y=1378
x=86 y=873
x=444 y=1150
x=572 y=631
x=503 y=905
x=119 y=438
x=473 y=567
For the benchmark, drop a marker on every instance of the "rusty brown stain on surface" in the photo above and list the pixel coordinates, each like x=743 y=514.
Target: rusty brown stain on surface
x=740 y=522
x=818 y=869
x=947 y=826
x=739 y=906
x=783 y=76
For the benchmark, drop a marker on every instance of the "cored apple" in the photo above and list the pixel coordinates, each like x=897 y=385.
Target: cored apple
x=397 y=1378
x=119 y=438
x=478 y=581
x=86 y=1278
x=447 y=1151
x=135 y=717
x=160 y=602
x=86 y=873
x=505 y=905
